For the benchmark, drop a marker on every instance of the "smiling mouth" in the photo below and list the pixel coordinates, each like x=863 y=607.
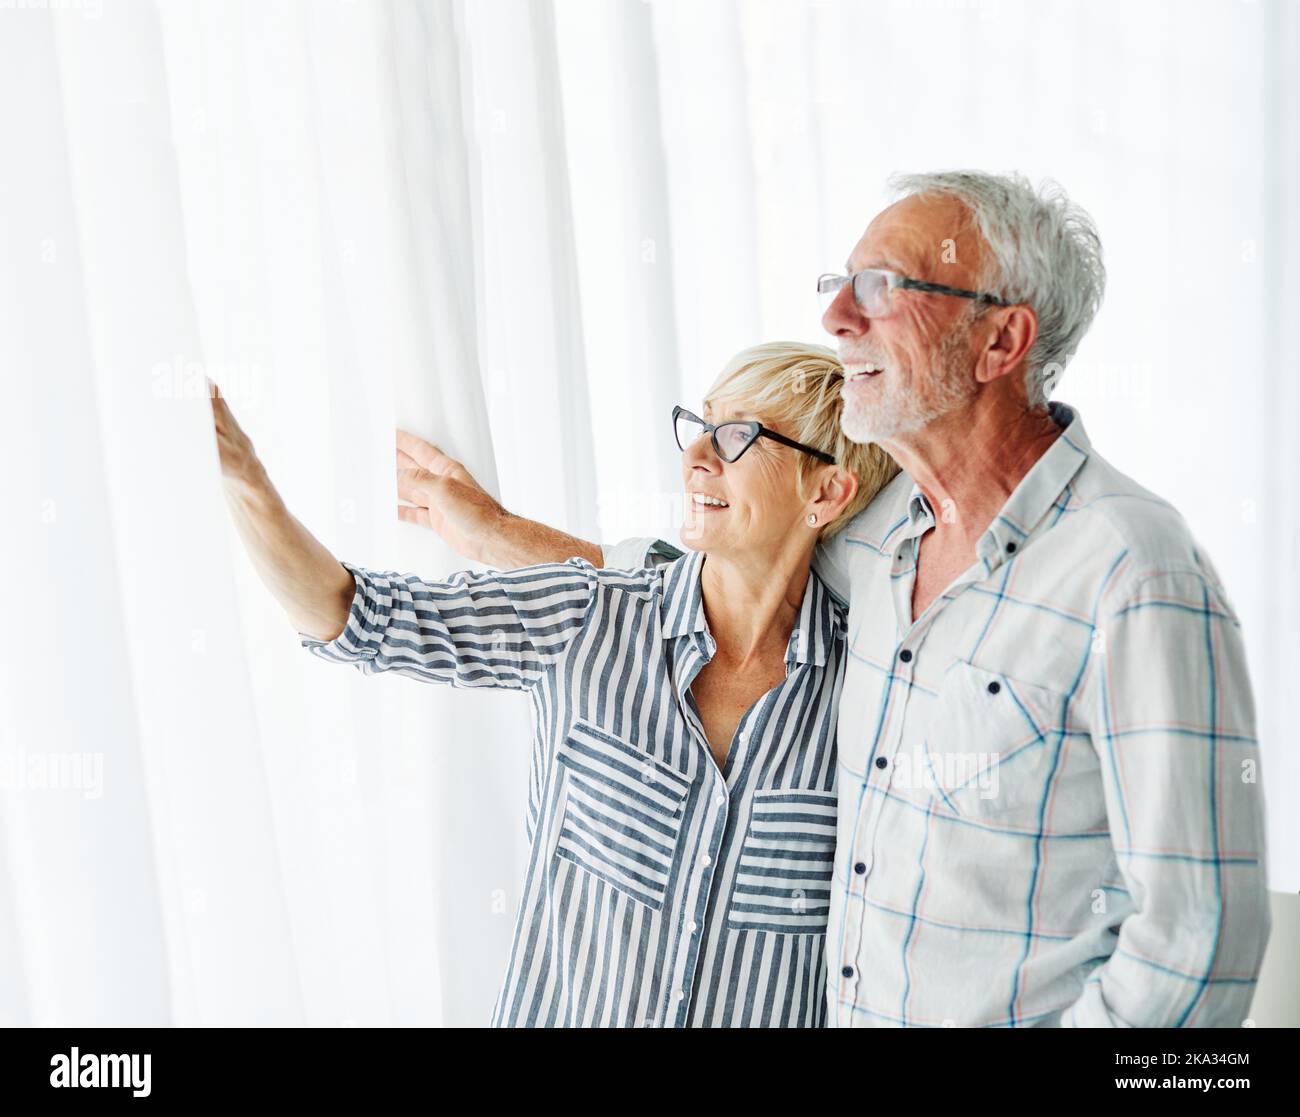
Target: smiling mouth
x=713 y=503
x=859 y=372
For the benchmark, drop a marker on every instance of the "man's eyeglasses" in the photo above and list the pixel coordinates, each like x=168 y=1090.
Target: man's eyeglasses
x=732 y=439
x=873 y=290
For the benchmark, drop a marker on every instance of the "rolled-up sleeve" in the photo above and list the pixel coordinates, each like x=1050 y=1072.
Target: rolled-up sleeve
x=488 y=629
x=638 y=553
x=1174 y=729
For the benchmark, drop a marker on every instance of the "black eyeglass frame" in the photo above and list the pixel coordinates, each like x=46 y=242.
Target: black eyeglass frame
x=896 y=281
x=756 y=431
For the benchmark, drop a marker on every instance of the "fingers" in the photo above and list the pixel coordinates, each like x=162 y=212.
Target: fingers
x=410 y=514
x=415 y=452
x=416 y=485
x=424 y=454
x=221 y=416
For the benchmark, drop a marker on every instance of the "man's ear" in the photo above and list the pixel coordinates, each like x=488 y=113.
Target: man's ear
x=1013 y=331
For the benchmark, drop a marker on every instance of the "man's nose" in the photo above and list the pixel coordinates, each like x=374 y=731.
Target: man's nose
x=844 y=318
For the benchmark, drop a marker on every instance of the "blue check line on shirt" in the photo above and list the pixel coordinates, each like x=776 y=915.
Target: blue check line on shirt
x=1191 y=858
x=1062 y=504
x=862 y=787
x=1024 y=712
x=878 y=548
x=946 y=925
x=1103 y=703
x=1206 y=610
x=1042 y=815
x=912 y=916
x=1123 y=496
x=998 y=598
x=1212 y=756
x=1199 y=979
x=1184 y=731
x=892 y=676
x=1032 y=605
x=1038 y=861
x=1020 y=531
x=1085 y=835
x=864 y=1011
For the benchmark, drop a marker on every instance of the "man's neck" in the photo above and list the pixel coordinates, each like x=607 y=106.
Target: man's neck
x=968 y=464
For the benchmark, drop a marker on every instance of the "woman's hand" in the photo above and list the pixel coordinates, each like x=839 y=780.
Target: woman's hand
x=314 y=589
x=444 y=497
x=239 y=461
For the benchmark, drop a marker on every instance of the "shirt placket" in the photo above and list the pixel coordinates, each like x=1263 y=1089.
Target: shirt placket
x=906 y=657
x=697 y=650
x=911 y=636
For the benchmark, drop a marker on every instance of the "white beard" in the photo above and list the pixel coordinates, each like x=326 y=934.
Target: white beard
x=887 y=410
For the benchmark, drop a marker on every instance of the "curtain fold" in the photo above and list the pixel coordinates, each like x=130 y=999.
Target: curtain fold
x=77 y=843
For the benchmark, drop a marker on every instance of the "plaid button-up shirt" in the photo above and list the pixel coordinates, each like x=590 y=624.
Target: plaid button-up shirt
x=1049 y=809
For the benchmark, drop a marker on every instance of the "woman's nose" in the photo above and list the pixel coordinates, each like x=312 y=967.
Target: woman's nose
x=700 y=455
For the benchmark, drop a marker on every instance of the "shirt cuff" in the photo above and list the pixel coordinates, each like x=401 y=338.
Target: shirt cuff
x=372 y=603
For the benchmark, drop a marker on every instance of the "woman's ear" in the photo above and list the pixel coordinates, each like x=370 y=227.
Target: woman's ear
x=836 y=489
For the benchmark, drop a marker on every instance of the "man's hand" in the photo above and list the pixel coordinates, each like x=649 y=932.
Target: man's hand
x=443 y=496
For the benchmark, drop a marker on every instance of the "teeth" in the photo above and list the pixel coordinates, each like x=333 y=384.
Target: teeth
x=867 y=367
x=700 y=498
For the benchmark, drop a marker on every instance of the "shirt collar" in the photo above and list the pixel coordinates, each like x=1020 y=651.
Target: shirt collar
x=681 y=611
x=1038 y=491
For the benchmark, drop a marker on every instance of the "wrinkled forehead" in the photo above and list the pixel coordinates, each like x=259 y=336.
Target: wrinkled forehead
x=719 y=410
x=923 y=236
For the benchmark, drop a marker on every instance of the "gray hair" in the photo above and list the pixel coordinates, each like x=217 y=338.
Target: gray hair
x=1044 y=252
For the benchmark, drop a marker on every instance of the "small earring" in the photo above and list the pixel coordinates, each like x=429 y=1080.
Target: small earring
x=812 y=519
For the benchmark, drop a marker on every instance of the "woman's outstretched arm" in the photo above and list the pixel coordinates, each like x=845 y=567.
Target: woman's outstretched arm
x=479 y=630
x=311 y=585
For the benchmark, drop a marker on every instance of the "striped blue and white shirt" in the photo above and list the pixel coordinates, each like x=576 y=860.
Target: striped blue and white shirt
x=660 y=891
x=1050 y=809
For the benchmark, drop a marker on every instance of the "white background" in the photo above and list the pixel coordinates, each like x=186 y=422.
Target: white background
x=523 y=230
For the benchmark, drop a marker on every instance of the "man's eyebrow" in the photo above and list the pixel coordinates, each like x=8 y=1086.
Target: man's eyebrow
x=885 y=264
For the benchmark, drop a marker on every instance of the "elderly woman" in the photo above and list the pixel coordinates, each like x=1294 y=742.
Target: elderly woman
x=682 y=824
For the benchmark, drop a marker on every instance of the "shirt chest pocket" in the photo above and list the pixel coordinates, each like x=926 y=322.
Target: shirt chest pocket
x=622 y=813
x=990 y=743
x=783 y=880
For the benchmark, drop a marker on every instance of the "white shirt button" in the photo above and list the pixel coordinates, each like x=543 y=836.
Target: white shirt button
x=705 y=861
x=693 y=927
x=678 y=995
x=719 y=800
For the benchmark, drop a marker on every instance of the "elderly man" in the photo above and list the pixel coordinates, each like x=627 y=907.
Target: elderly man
x=1049 y=805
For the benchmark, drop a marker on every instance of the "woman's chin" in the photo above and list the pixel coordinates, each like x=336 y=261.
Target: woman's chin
x=698 y=534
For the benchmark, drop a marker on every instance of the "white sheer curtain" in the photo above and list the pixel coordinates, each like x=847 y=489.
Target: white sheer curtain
x=523 y=229
x=276 y=195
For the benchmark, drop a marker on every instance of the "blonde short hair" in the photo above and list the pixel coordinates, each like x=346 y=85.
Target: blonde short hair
x=795 y=387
